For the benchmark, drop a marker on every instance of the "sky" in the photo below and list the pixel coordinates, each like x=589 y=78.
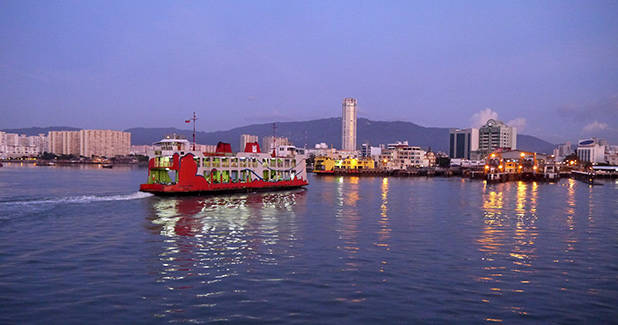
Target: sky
x=548 y=67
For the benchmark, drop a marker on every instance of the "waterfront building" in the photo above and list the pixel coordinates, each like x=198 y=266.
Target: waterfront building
x=463 y=143
x=13 y=145
x=63 y=142
x=104 y=143
x=591 y=150
x=611 y=155
x=270 y=142
x=88 y=143
x=401 y=156
x=369 y=151
x=494 y=135
x=348 y=124
x=562 y=150
x=247 y=138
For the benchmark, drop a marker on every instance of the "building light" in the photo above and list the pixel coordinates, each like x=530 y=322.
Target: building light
x=522 y=154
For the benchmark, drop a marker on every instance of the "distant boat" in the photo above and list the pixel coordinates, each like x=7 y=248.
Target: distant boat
x=45 y=163
x=107 y=166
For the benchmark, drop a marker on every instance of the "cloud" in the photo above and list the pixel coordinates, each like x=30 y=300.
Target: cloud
x=519 y=123
x=479 y=119
x=595 y=127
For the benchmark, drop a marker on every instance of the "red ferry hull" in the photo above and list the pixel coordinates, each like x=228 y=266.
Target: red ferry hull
x=221 y=188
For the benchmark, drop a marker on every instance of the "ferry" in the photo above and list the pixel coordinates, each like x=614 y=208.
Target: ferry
x=175 y=167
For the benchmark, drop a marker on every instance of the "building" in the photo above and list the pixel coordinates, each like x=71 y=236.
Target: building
x=463 y=142
x=246 y=138
x=13 y=145
x=494 y=135
x=348 y=124
x=591 y=150
x=269 y=143
x=562 y=150
x=88 y=143
x=63 y=142
x=104 y=143
x=400 y=155
x=369 y=151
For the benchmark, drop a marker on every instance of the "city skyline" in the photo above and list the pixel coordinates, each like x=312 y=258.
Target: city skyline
x=549 y=69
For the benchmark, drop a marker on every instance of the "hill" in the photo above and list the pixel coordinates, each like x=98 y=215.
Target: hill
x=38 y=130
x=308 y=133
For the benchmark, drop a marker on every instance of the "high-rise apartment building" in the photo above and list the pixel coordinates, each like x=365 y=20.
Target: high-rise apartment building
x=268 y=144
x=106 y=143
x=463 y=142
x=88 y=143
x=348 y=124
x=495 y=134
x=246 y=138
x=63 y=142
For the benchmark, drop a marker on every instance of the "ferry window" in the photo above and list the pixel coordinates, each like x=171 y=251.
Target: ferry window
x=216 y=162
x=207 y=162
x=216 y=176
x=287 y=163
x=225 y=162
x=273 y=162
x=225 y=176
x=207 y=175
x=273 y=175
x=265 y=176
x=234 y=177
x=279 y=163
x=197 y=161
x=248 y=179
x=243 y=162
x=293 y=176
x=255 y=162
x=293 y=162
x=265 y=162
x=234 y=162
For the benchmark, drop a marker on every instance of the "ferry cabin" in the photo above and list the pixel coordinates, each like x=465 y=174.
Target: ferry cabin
x=223 y=167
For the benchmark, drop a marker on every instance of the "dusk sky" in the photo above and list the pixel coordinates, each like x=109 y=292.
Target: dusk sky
x=548 y=67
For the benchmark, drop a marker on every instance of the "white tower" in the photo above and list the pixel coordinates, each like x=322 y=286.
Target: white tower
x=348 y=125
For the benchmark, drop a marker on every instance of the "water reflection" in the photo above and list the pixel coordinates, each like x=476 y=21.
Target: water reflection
x=384 y=230
x=508 y=238
x=348 y=219
x=208 y=240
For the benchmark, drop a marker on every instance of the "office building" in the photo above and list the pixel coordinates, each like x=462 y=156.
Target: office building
x=348 y=124
x=591 y=150
x=463 y=142
x=496 y=135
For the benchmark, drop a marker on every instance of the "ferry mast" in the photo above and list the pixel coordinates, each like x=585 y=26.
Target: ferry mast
x=193 y=119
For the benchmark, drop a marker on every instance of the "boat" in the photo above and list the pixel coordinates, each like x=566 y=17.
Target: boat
x=175 y=167
x=107 y=166
x=45 y=163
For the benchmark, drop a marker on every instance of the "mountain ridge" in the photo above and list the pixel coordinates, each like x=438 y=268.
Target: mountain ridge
x=309 y=133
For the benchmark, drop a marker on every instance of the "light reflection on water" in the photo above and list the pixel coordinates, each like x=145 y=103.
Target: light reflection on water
x=346 y=250
x=209 y=237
